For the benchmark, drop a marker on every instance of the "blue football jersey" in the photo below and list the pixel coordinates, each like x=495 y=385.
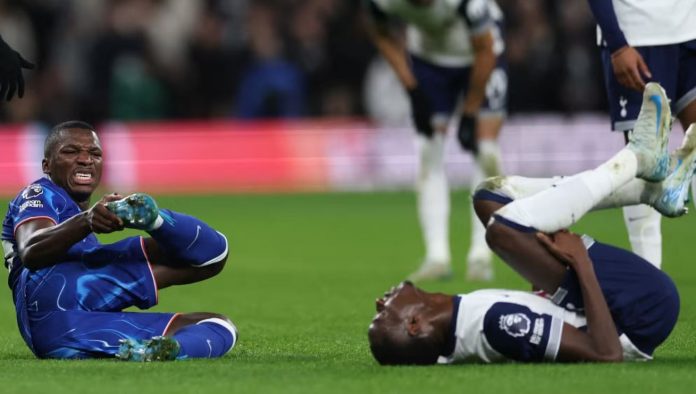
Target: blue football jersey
x=41 y=199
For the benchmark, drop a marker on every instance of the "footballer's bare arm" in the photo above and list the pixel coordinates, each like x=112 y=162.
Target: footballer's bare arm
x=393 y=51
x=600 y=342
x=41 y=242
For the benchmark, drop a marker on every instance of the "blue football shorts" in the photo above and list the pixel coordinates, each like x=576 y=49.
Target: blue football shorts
x=673 y=66
x=445 y=86
x=643 y=300
x=75 y=309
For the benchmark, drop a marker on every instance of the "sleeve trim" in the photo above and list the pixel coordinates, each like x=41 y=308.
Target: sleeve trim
x=14 y=232
x=554 y=343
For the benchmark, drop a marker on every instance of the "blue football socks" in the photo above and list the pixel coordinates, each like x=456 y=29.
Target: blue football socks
x=189 y=239
x=207 y=339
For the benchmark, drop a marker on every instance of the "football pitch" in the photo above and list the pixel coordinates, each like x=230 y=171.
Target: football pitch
x=300 y=284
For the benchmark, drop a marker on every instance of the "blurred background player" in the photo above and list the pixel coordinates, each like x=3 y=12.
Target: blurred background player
x=11 y=78
x=643 y=41
x=450 y=66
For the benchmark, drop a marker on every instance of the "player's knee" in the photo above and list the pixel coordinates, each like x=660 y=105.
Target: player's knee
x=496 y=236
x=211 y=253
x=217 y=267
x=484 y=209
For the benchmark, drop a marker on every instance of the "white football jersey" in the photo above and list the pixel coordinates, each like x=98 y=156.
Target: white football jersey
x=441 y=32
x=506 y=325
x=656 y=22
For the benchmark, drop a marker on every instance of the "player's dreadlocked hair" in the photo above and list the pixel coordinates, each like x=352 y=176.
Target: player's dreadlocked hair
x=390 y=347
x=54 y=134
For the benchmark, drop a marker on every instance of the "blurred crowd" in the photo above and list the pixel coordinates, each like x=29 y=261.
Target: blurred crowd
x=176 y=59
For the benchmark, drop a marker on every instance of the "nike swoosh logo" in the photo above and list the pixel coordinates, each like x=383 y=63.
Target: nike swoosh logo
x=633 y=219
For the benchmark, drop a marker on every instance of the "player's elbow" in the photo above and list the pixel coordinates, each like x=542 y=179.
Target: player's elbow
x=219 y=266
x=605 y=354
x=484 y=209
x=614 y=356
x=217 y=253
x=31 y=258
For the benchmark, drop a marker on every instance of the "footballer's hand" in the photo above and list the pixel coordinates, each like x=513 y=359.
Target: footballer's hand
x=566 y=246
x=630 y=68
x=11 y=78
x=101 y=220
x=466 y=133
x=421 y=112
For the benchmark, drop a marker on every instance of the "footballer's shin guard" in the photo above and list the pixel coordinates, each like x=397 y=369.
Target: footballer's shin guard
x=188 y=239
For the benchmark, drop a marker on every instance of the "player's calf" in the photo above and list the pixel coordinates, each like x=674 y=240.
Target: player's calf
x=189 y=240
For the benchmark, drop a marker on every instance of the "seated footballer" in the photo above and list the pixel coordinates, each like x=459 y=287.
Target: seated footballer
x=597 y=302
x=70 y=290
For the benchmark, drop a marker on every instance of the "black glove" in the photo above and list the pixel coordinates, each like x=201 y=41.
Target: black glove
x=466 y=133
x=11 y=64
x=420 y=111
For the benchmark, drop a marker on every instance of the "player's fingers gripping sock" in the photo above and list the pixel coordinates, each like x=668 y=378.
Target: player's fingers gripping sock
x=184 y=237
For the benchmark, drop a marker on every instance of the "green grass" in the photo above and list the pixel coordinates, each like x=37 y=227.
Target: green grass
x=301 y=280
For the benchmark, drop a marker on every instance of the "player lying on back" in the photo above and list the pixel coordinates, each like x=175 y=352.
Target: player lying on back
x=603 y=303
x=70 y=290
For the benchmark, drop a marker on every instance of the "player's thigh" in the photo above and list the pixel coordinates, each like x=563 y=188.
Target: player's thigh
x=643 y=300
x=82 y=334
x=110 y=278
x=624 y=102
x=166 y=275
x=521 y=250
x=441 y=85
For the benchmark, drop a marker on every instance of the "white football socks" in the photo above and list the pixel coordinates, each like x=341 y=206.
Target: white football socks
x=561 y=206
x=433 y=198
x=643 y=224
x=488 y=158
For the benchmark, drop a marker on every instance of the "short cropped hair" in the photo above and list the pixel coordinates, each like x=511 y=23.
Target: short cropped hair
x=389 y=348
x=53 y=135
